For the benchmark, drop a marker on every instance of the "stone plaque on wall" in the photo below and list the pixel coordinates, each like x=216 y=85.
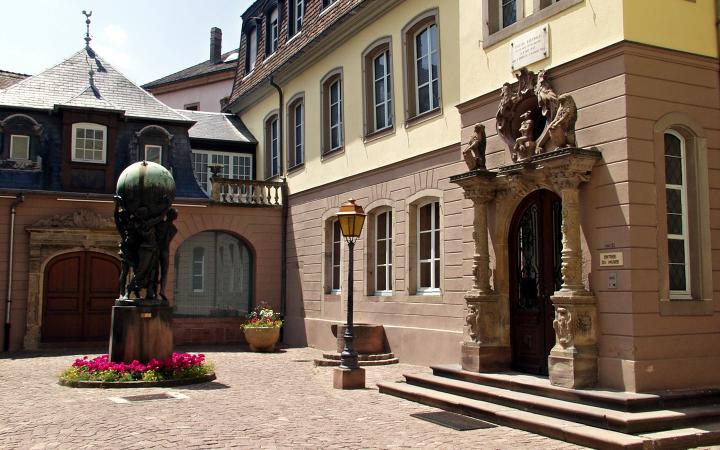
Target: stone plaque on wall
x=529 y=47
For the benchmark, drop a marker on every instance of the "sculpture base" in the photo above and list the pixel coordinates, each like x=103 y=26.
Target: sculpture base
x=348 y=378
x=485 y=358
x=141 y=333
x=572 y=370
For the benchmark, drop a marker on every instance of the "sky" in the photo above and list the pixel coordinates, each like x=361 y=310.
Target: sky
x=145 y=40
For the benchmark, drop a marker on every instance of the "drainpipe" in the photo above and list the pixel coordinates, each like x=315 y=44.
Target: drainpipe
x=11 y=247
x=283 y=231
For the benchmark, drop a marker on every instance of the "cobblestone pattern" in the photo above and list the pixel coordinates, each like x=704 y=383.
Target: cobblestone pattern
x=277 y=400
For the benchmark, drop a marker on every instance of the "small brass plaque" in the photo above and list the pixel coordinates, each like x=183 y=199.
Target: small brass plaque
x=612 y=259
x=146 y=315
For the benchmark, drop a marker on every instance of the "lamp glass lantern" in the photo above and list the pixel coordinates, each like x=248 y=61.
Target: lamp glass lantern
x=352 y=219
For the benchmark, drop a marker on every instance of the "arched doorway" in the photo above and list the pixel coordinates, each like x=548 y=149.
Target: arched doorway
x=535 y=245
x=213 y=276
x=79 y=291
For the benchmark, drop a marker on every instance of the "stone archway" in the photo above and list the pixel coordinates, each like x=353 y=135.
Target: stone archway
x=83 y=230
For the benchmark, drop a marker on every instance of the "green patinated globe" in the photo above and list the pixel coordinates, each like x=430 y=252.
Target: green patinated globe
x=146 y=184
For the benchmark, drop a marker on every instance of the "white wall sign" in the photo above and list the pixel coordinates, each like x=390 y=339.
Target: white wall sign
x=611 y=259
x=530 y=47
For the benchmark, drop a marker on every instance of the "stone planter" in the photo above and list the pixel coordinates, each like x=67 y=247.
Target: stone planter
x=369 y=338
x=262 y=339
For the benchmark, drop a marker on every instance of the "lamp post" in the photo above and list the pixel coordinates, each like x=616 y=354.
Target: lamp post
x=349 y=375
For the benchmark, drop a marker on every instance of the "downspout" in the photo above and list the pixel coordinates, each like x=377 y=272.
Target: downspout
x=283 y=230
x=11 y=247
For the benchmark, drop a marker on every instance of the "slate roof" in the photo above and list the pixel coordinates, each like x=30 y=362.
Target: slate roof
x=67 y=85
x=7 y=79
x=218 y=127
x=198 y=70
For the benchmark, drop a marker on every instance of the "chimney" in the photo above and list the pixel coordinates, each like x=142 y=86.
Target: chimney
x=215 y=45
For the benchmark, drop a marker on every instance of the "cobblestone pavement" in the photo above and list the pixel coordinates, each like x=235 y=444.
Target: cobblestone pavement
x=277 y=400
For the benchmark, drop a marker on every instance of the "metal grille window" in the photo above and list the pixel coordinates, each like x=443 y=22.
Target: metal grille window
x=428 y=242
x=336 y=119
x=89 y=143
x=508 y=12
x=236 y=166
x=382 y=94
x=336 y=271
x=677 y=215
x=19 y=146
x=383 y=253
x=427 y=74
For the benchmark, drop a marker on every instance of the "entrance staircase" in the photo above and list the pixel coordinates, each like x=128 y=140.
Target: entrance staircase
x=589 y=417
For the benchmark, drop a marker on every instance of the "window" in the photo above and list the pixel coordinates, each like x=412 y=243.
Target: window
x=326 y=3
x=678 y=240
x=89 y=143
x=271 y=32
x=236 y=166
x=251 y=53
x=422 y=63
x=336 y=272
x=296 y=14
x=192 y=106
x=508 y=12
x=153 y=153
x=272 y=147
x=198 y=269
x=296 y=132
x=332 y=113
x=383 y=253
x=428 y=242
x=378 y=88
x=19 y=146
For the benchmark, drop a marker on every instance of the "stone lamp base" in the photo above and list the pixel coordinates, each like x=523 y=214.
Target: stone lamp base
x=344 y=378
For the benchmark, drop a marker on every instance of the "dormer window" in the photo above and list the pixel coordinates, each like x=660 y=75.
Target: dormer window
x=296 y=15
x=19 y=147
x=272 y=32
x=89 y=143
x=153 y=153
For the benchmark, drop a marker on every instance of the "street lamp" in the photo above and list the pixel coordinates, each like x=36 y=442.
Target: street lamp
x=349 y=375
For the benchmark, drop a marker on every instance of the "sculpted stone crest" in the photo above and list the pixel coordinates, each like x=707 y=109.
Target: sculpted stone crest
x=474 y=153
x=82 y=218
x=561 y=324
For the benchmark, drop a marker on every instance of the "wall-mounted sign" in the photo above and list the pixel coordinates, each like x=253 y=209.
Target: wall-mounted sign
x=611 y=259
x=530 y=47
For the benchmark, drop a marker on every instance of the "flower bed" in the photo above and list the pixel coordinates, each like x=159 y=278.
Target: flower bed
x=179 y=366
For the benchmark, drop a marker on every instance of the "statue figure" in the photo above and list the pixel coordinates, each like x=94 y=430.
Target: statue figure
x=473 y=321
x=474 y=154
x=561 y=325
x=525 y=144
x=503 y=118
x=166 y=230
x=560 y=113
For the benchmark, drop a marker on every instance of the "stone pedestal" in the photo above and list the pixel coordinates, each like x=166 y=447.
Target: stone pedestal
x=483 y=349
x=344 y=378
x=141 y=333
x=369 y=338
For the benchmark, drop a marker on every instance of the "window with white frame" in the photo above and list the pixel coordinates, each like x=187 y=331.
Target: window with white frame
x=198 y=269
x=508 y=12
x=427 y=70
x=153 y=153
x=272 y=147
x=89 y=143
x=678 y=239
x=336 y=258
x=19 y=146
x=382 y=91
x=251 y=50
x=428 y=251
x=273 y=30
x=297 y=133
x=236 y=166
x=334 y=114
x=296 y=16
x=383 y=253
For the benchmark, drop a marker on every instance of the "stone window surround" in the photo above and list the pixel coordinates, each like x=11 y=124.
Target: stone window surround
x=698 y=220
x=373 y=50
x=413 y=203
x=408 y=44
x=373 y=209
x=542 y=10
x=325 y=84
x=291 y=105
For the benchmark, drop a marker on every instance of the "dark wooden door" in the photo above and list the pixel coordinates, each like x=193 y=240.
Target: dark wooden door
x=80 y=290
x=534 y=248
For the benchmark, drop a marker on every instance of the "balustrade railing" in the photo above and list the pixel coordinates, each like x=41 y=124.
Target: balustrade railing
x=247 y=192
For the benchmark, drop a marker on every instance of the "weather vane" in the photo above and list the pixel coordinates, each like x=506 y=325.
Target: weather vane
x=87 y=23
x=91 y=72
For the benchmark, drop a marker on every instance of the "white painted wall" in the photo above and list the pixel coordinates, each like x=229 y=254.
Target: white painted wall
x=208 y=96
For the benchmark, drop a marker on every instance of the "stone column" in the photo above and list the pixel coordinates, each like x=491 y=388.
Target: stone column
x=573 y=360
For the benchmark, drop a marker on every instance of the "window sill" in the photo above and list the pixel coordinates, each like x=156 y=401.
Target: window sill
x=273 y=178
x=376 y=135
x=247 y=75
x=269 y=57
x=687 y=307
x=527 y=22
x=328 y=8
x=293 y=37
x=93 y=163
x=424 y=117
x=327 y=155
x=296 y=168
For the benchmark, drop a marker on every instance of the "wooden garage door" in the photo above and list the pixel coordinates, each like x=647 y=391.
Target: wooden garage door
x=80 y=290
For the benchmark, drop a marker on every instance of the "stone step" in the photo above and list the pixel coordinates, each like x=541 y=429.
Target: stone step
x=623 y=401
x=599 y=417
x=362 y=356
x=325 y=362
x=553 y=427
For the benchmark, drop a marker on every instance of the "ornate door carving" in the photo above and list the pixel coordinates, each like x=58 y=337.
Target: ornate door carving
x=535 y=262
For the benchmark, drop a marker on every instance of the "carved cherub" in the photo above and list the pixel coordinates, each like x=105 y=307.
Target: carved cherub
x=474 y=153
x=525 y=144
x=473 y=321
x=561 y=324
x=560 y=113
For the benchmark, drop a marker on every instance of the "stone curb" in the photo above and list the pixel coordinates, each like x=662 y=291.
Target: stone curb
x=137 y=384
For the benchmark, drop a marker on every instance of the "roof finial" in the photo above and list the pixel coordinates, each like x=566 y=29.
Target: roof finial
x=87 y=23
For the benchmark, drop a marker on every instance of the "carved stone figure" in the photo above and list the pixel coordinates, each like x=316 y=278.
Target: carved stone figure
x=473 y=321
x=166 y=230
x=560 y=113
x=503 y=118
x=561 y=324
x=474 y=154
x=82 y=218
x=525 y=144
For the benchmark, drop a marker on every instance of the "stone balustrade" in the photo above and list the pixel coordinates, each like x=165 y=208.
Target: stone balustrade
x=247 y=192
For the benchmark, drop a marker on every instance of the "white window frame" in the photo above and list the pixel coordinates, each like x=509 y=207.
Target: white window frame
x=333 y=224
x=298 y=128
x=274 y=30
x=685 y=294
x=88 y=126
x=201 y=274
x=434 y=234
x=232 y=170
x=430 y=81
x=151 y=146
x=388 y=252
x=13 y=149
x=252 y=49
x=299 y=11
x=274 y=145
x=386 y=82
x=339 y=124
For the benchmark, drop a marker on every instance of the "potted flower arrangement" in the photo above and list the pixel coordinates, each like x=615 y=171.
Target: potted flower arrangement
x=262 y=329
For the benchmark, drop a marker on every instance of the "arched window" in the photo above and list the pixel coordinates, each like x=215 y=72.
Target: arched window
x=678 y=238
x=383 y=251
x=213 y=276
x=296 y=132
x=332 y=112
x=378 y=84
x=272 y=146
x=421 y=40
